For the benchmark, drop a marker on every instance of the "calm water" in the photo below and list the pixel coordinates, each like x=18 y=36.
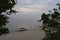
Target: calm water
x=23 y=20
x=29 y=21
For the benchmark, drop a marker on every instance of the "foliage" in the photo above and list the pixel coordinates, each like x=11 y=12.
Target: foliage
x=51 y=24
x=5 y=7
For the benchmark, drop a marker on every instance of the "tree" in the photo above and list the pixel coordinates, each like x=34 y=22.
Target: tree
x=5 y=7
x=3 y=22
x=51 y=24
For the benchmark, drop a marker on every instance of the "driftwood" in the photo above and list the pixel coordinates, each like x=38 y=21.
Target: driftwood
x=22 y=29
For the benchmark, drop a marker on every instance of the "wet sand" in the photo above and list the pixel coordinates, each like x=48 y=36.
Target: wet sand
x=31 y=34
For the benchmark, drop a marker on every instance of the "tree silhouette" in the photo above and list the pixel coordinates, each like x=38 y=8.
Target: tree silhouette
x=3 y=22
x=51 y=24
x=5 y=7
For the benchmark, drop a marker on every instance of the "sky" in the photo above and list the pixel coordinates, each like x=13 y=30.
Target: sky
x=35 y=6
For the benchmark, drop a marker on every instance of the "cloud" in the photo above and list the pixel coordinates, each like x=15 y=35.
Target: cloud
x=35 y=6
x=26 y=10
x=25 y=1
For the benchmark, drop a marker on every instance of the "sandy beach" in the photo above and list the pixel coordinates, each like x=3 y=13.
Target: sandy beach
x=31 y=34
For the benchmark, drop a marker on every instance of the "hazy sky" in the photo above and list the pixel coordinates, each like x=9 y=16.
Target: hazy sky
x=35 y=6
